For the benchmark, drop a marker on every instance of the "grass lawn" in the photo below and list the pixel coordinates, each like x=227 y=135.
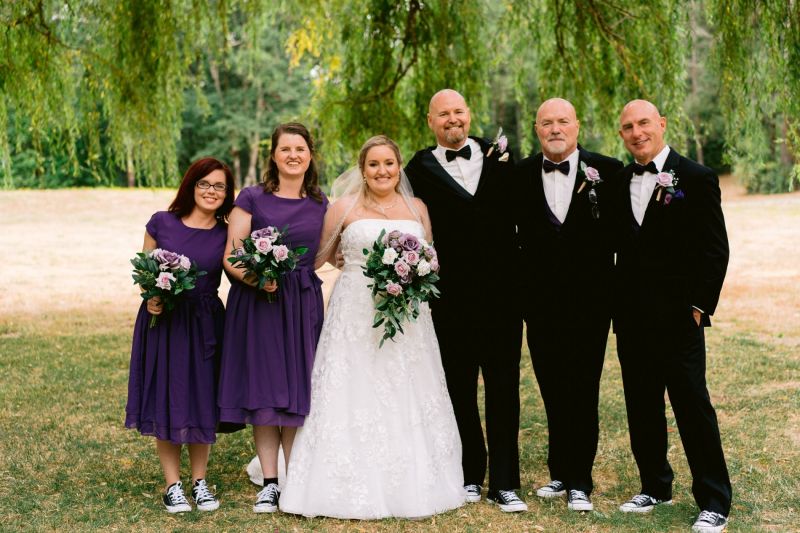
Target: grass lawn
x=67 y=462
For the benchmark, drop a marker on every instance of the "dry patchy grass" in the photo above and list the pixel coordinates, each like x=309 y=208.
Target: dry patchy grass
x=64 y=341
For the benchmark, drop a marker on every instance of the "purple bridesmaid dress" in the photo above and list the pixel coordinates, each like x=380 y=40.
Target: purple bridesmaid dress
x=173 y=374
x=268 y=351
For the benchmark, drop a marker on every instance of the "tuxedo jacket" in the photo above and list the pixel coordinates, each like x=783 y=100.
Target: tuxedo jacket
x=474 y=235
x=677 y=258
x=568 y=266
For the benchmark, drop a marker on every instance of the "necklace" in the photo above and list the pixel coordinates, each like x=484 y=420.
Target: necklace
x=383 y=208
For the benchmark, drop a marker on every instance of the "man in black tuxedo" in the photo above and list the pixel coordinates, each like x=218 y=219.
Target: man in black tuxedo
x=671 y=261
x=466 y=182
x=564 y=222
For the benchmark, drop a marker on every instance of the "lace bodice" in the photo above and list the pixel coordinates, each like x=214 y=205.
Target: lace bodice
x=361 y=233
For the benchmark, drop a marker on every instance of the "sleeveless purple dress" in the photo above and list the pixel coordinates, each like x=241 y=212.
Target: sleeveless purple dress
x=173 y=375
x=268 y=351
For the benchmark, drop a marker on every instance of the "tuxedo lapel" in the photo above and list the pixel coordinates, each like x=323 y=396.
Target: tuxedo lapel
x=488 y=165
x=580 y=177
x=432 y=165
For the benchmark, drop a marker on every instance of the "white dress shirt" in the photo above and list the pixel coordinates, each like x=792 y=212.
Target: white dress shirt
x=466 y=173
x=558 y=187
x=642 y=186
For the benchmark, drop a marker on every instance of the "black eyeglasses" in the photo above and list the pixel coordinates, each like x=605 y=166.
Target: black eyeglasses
x=593 y=201
x=204 y=185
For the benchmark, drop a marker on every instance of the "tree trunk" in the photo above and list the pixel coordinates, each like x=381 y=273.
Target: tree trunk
x=237 y=168
x=255 y=138
x=129 y=170
x=694 y=82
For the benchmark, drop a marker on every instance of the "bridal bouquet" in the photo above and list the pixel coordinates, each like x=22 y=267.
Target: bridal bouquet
x=263 y=256
x=164 y=274
x=404 y=270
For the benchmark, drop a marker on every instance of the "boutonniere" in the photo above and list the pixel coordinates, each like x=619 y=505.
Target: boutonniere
x=590 y=176
x=500 y=143
x=666 y=181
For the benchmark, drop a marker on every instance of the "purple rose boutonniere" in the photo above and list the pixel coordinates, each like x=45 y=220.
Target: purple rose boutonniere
x=666 y=181
x=500 y=144
x=590 y=176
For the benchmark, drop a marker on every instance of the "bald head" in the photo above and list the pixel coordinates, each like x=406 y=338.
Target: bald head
x=557 y=128
x=642 y=129
x=449 y=118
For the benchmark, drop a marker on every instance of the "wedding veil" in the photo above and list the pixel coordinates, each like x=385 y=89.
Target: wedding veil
x=351 y=188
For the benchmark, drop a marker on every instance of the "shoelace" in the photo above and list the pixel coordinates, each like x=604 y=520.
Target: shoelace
x=556 y=485
x=201 y=492
x=577 y=495
x=175 y=494
x=708 y=516
x=268 y=493
x=639 y=499
x=473 y=488
x=509 y=496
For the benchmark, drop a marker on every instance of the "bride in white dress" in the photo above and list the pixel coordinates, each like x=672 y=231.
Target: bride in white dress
x=381 y=439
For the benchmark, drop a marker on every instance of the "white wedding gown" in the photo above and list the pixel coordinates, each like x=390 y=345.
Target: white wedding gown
x=381 y=439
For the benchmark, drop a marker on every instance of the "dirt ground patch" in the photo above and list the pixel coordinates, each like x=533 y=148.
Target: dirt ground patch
x=67 y=251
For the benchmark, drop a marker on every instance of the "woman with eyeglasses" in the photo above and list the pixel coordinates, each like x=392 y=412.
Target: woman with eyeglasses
x=265 y=378
x=173 y=373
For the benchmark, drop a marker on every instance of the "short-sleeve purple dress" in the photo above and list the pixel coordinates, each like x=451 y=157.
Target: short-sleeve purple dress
x=268 y=351
x=173 y=375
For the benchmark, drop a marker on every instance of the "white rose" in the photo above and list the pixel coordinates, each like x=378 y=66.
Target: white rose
x=389 y=255
x=423 y=268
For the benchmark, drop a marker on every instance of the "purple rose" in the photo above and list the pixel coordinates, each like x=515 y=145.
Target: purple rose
x=502 y=143
x=395 y=289
x=429 y=252
x=280 y=252
x=409 y=242
x=167 y=260
x=592 y=174
x=394 y=234
x=164 y=281
x=435 y=264
x=678 y=194
x=185 y=263
x=270 y=232
x=239 y=252
x=411 y=257
x=667 y=199
x=664 y=179
x=394 y=243
x=263 y=245
x=402 y=269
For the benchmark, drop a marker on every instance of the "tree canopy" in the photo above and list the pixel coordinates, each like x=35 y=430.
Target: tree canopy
x=128 y=92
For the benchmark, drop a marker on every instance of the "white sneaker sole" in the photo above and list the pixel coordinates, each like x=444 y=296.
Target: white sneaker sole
x=473 y=498
x=547 y=493
x=208 y=507
x=510 y=508
x=583 y=506
x=265 y=508
x=709 y=529
x=183 y=508
x=642 y=509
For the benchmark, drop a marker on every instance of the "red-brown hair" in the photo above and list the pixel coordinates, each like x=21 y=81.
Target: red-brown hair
x=183 y=204
x=311 y=178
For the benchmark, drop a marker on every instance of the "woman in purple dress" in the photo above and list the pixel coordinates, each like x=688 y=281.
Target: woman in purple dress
x=268 y=353
x=173 y=380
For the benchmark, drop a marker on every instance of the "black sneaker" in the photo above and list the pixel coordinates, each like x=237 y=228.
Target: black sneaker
x=642 y=503
x=577 y=500
x=203 y=498
x=710 y=522
x=508 y=501
x=554 y=489
x=174 y=499
x=267 y=499
x=473 y=493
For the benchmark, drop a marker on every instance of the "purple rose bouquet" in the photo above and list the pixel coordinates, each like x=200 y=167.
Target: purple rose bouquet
x=404 y=270
x=263 y=256
x=164 y=274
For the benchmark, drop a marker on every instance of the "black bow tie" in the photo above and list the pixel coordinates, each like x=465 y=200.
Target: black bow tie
x=562 y=167
x=465 y=152
x=641 y=169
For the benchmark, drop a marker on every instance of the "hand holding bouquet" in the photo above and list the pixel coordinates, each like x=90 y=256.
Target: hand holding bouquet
x=164 y=274
x=264 y=257
x=404 y=270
